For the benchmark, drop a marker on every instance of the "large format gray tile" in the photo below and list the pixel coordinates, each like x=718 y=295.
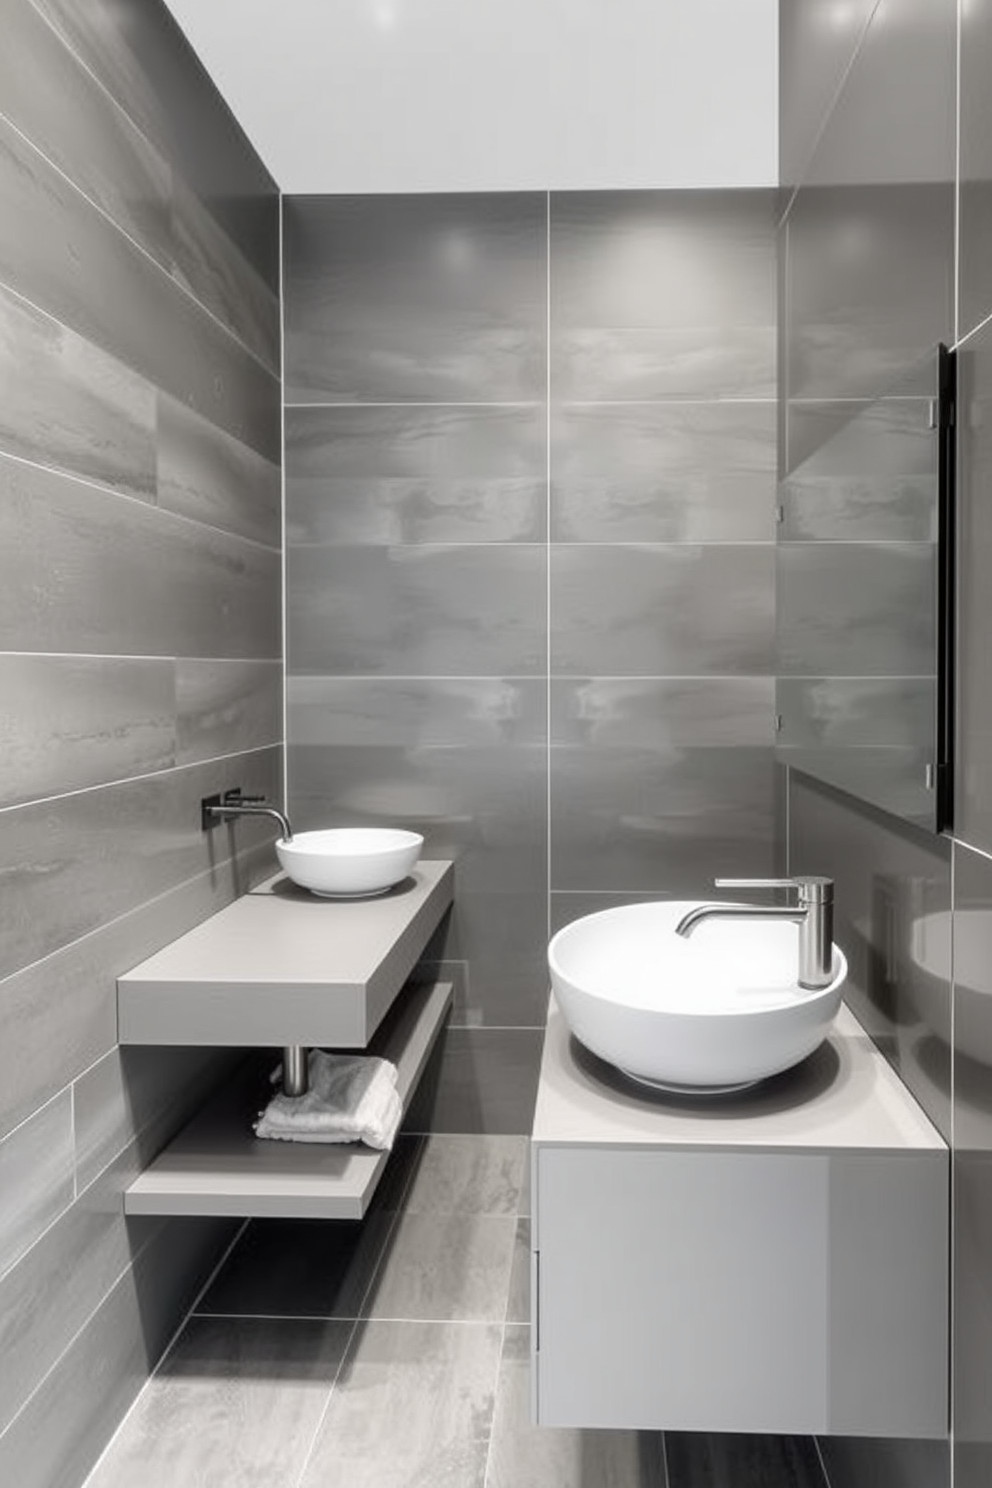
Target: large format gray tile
x=68 y=405
x=728 y=1461
x=415 y=298
x=975 y=167
x=973 y=766
x=972 y=943
x=890 y=878
x=130 y=580
x=670 y=472
x=60 y=1014
x=430 y=611
x=413 y=1405
x=50 y=97
x=480 y=1080
x=70 y=866
x=206 y=474
x=226 y=707
x=663 y=295
x=467 y=1175
x=63 y=254
x=817 y=41
x=518 y=1306
x=140 y=55
x=662 y=610
x=261 y=1386
x=471 y=1285
x=36 y=1164
x=856 y=609
x=68 y=722
x=410 y=475
x=527 y=1456
x=865 y=1462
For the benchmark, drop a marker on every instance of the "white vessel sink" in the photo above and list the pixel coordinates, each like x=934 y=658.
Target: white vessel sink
x=349 y=862
x=713 y=1013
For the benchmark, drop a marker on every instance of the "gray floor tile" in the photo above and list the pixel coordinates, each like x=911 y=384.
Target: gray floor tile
x=518 y=1301
x=729 y=1461
x=235 y=1405
x=468 y=1175
x=526 y=1456
x=412 y=1409
x=444 y=1267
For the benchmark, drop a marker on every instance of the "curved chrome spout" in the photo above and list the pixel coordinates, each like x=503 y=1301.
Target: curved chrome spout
x=688 y=923
x=814 y=915
x=251 y=806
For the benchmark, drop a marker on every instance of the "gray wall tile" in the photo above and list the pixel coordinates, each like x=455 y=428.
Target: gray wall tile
x=662 y=610
x=671 y=472
x=663 y=295
x=68 y=722
x=975 y=205
x=480 y=1080
x=206 y=474
x=421 y=611
x=68 y=405
x=416 y=475
x=131 y=580
x=973 y=769
x=226 y=707
x=61 y=253
x=817 y=42
x=419 y=298
x=36 y=1164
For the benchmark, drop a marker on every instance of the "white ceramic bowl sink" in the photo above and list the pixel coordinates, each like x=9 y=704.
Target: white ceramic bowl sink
x=348 y=862
x=714 y=1012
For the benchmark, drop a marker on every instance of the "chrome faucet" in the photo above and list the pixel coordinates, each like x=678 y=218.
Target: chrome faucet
x=814 y=913
x=233 y=803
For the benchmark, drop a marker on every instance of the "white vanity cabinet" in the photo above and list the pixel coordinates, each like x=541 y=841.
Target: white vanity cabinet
x=773 y=1262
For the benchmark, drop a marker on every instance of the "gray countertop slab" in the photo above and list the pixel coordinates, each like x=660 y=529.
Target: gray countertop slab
x=844 y=1097
x=280 y=966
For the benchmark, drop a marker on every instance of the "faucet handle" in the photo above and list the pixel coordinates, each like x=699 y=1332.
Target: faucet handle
x=808 y=886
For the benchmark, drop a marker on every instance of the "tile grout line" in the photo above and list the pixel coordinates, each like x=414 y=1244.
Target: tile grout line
x=548 y=589
x=283 y=505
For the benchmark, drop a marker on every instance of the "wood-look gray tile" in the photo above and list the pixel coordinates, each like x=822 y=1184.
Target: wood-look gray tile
x=63 y=1428
x=472 y=1284
x=68 y=722
x=300 y=1268
x=61 y=1014
x=70 y=866
x=410 y=475
x=68 y=405
x=415 y=298
x=36 y=1165
x=518 y=1308
x=663 y=610
x=62 y=254
x=728 y=1461
x=413 y=1404
x=856 y=609
x=663 y=294
x=467 y=1175
x=206 y=474
x=430 y=611
x=226 y=707
x=973 y=766
x=130 y=580
x=673 y=472
x=480 y=1080
x=527 y=1456
x=261 y=1386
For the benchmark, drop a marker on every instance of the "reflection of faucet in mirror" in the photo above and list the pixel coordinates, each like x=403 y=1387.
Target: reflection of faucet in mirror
x=814 y=914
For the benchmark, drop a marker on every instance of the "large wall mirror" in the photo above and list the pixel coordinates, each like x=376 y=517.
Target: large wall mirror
x=865 y=595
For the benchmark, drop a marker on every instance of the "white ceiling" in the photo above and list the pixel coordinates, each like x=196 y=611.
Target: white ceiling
x=490 y=95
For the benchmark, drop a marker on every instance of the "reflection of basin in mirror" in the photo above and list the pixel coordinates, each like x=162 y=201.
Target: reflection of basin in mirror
x=349 y=862
x=931 y=971
x=708 y=1015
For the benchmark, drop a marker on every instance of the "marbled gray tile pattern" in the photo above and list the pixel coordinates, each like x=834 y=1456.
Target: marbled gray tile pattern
x=36 y=1164
x=395 y=476
x=226 y=707
x=206 y=474
x=481 y=1080
x=663 y=472
x=518 y=1304
x=428 y=611
x=414 y=1406
x=667 y=714
x=415 y=299
x=728 y=1461
x=68 y=722
x=467 y=1175
x=471 y=1285
x=69 y=405
x=662 y=609
x=131 y=580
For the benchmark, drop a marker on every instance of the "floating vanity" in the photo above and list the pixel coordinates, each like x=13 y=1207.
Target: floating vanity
x=281 y=967
x=774 y=1261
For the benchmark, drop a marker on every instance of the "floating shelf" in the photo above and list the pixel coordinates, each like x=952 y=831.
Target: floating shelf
x=217 y=1166
x=279 y=967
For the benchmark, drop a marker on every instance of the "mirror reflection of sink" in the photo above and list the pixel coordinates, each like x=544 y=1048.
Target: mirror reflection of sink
x=706 y=1015
x=349 y=862
x=931 y=952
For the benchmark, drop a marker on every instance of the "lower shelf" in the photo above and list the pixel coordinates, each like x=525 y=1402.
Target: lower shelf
x=217 y=1166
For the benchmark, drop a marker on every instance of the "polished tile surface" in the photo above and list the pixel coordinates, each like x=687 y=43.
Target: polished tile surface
x=973 y=772
x=817 y=42
x=975 y=200
x=481 y=1080
x=741 y=1461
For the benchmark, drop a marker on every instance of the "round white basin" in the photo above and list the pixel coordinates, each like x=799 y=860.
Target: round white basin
x=348 y=862
x=717 y=1011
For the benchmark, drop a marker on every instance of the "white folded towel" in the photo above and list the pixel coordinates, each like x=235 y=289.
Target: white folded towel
x=351 y=1098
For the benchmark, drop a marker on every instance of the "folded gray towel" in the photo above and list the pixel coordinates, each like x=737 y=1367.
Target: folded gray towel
x=351 y=1098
